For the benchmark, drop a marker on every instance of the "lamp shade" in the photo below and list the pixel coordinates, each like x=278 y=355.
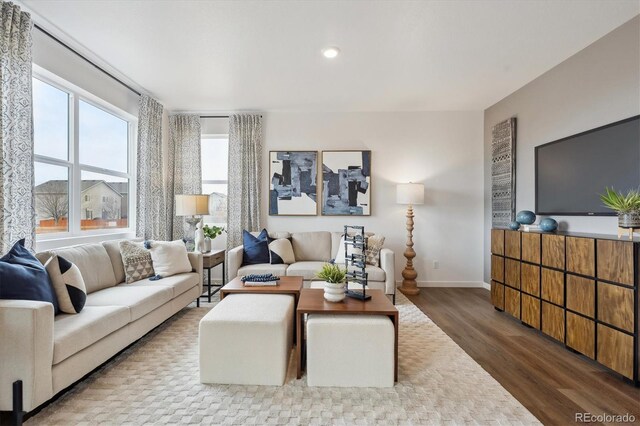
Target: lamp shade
x=410 y=193
x=192 y=205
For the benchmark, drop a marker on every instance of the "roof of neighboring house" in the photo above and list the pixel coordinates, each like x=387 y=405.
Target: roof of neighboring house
x=62 y=186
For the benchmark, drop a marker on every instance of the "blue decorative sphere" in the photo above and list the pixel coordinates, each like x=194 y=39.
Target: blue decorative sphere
x=514 y=226
x=548 y=225
x=525 y=217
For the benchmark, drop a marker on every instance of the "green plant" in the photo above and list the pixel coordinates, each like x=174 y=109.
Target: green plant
x=620 y=202
x=213 y=231
x=332 y=273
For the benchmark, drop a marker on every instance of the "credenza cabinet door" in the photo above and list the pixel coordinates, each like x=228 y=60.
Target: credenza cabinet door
x=512 y=244
x=615 y=306
x=530 y=311
x=530 y=279
x=581 y=334
x=552 y=283
x=553 y=251
x=512 y=273
x=497 y=268
x=615 y=261
x=553 y=321
x=581 y=295
x=615 y=350
x=531 y=247
x=497 y=241
x=512 y=302
x=497 y=295
x=581 y=256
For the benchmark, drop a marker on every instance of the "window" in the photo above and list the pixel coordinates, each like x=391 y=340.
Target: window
x=83 y=174
x=214 y=157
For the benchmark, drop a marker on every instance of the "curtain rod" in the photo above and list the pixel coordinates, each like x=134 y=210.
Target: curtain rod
x=51 y=36
x=218 y=116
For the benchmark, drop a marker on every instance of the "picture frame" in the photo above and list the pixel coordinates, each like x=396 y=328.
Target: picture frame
x=346 y=183
x=293 y=183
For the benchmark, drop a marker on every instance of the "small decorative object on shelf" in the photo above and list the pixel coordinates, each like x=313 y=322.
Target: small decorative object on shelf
x=257 y=280
x=356 y=262
x=199 y=238
x=334 y=281
x=210 y=233
x=548 y=225
x=514 y=226
x=525 y=217
x=628 y=209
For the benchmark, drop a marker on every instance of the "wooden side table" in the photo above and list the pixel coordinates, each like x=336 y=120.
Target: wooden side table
x=209 y=261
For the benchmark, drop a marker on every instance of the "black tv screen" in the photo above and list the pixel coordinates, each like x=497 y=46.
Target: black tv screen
x=572 y=172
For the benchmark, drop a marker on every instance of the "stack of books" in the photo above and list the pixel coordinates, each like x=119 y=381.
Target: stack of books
x=259 y=280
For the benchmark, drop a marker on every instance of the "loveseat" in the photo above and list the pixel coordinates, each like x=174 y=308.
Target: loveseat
x=311 y=251
x=49 y=353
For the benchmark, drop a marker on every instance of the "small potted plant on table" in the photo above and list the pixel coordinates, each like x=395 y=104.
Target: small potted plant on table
x=626 y=205
x=210 y=233
x=334 y=281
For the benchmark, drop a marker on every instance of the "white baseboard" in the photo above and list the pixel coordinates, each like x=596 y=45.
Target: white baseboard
x=486 y=286
x=462 y=284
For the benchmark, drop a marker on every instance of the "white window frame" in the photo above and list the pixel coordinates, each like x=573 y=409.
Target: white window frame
x=216 y=181
x=76 y=168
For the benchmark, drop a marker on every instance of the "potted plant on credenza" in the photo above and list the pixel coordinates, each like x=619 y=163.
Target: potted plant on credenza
x=626 y=205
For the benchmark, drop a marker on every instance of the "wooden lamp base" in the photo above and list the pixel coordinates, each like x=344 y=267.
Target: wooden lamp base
x=409 y=275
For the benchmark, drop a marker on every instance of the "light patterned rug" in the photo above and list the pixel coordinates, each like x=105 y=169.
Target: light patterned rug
x=156 y=382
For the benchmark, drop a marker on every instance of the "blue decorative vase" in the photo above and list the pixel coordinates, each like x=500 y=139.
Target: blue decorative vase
x=548 y=225
x=514 y=226
x=525 y=217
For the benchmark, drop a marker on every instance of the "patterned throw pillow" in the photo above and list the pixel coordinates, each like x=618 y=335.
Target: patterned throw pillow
x=374 y=245
x=137 y=261
x=68 y=284
x=281 y=252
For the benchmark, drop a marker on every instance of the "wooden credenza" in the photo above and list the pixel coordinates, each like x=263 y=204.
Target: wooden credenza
x=579 y=289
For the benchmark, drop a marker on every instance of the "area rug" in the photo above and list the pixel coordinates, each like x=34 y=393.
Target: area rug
x=156 y=382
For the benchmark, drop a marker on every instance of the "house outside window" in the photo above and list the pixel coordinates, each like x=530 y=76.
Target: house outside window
x=84 y=149
x=214 y=158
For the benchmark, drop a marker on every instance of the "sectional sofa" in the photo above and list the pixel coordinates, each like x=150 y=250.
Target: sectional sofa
x=311 y=251
x=49 y=353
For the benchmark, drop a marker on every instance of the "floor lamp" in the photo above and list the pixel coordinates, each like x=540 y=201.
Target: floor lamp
x=411 y=194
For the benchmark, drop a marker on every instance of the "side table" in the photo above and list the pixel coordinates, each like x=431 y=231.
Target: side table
x=209 y=261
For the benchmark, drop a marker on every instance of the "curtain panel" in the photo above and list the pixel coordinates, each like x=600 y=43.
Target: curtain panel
x=245 y=171
x=151 y=221
x=185 y=174
x=17 y=210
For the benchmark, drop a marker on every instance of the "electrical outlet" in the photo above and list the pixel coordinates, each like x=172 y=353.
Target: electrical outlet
x=436 y=264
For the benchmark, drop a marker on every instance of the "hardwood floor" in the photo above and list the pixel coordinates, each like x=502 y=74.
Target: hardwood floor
x=551 y=382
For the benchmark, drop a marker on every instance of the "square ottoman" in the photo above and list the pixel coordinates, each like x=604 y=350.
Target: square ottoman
x=350 y=350
x=246 y=339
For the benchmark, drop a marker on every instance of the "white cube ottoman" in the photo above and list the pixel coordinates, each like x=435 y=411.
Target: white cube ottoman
x=350 y=350
x=246 y=339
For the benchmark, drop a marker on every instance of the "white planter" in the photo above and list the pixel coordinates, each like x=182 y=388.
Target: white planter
x=207 y=244
x=334 y=292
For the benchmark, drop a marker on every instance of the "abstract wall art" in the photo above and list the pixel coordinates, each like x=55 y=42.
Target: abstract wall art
x=293 y=185
x=503 y=173
x=346 y=179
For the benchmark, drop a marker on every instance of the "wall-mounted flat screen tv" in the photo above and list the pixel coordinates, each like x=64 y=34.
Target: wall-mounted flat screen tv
x=573 y=171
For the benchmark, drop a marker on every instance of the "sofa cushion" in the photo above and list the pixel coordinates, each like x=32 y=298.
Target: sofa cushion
x=274 y=235
x=139 y=299
x=72 y=333
x=312 y=246
x=113 y=250
x=263 y=268
x=94 y=264
x=376 y=273
x=307 y=270
x=177 y=283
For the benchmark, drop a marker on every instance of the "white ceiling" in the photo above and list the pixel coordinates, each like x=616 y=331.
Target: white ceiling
x=396 y=55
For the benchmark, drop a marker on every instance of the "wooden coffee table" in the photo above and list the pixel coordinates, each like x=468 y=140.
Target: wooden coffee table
x=286 y=285
x=312 y=302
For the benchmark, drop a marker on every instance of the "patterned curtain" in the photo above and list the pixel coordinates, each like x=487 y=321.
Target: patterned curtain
x=17 y=213
x=245 y=171
x=151 y=223
x=185 y=175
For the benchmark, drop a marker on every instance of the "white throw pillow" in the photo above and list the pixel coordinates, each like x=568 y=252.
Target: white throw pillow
x=339 y=257
x=169 y=258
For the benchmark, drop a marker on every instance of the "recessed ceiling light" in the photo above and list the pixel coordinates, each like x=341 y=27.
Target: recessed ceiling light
x=330 y=52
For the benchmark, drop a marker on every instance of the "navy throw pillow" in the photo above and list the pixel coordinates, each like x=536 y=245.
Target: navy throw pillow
x=256 y=249
x=23 y=277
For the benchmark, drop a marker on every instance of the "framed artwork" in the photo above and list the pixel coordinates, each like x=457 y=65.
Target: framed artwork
x=293 y=183
x=346 y=179
x=503 y=172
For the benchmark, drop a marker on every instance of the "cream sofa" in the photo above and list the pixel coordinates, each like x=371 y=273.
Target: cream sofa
x=311 y=251
x=49 y=353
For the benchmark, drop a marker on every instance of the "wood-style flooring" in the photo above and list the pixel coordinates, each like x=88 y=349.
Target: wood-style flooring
x=551 y=382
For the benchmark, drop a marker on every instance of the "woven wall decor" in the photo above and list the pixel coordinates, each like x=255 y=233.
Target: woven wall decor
x=503 y=173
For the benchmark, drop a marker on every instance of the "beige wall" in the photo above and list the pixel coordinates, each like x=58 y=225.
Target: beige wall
x=443 y=150
x=596 y=86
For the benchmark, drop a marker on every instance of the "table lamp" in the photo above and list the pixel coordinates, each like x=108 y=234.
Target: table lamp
x=193 y=207
x=411 y=194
